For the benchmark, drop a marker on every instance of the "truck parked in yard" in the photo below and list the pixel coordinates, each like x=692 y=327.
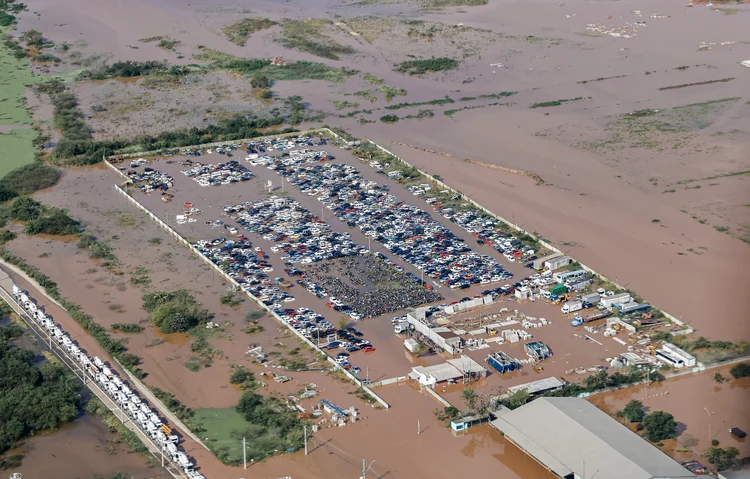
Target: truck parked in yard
x=571 y=306
x=401 y=327
x=579 y=321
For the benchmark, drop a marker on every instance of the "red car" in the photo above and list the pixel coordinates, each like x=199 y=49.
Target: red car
x=368 y=349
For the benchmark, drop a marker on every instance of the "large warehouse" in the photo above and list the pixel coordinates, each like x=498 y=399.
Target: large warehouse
x=575 y=440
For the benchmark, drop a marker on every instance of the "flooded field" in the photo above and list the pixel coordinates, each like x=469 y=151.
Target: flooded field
x=634 y=116
x=84 y=449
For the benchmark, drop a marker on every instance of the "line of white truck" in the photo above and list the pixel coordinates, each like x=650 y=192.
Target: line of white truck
x=117 y=389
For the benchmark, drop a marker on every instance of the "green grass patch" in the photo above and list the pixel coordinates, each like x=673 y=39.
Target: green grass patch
x=354 y=113
x=708 y=103
x=454 y=111
x=420 y=67
x=372 y=79
x=225 y=428
x=391 y=92
x=494 y=96
x=239 y=31
x=389 y=118
x=422 y=114
x=302 y=70
x=547 y=104
x=17 y=149
x=14 y=79
x=130 y=328
x=439 y=101
x=342 y=104
x=307 y=36
x=164 y=42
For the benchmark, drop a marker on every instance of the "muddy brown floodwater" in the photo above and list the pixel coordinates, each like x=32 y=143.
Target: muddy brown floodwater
x=81 y=449
x=704 y=409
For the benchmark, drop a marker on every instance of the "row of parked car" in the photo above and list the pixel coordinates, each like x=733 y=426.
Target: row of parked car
x=287 y=159
x=145 y=417
x=489 y=231
x=220 y=174
x=150 y=179
x=300 y=236
x=406 y=230
x=248 y=266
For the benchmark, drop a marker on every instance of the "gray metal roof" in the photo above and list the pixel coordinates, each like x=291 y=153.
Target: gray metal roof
x=571 y=435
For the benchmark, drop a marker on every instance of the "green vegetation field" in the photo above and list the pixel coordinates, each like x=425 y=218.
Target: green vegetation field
x=16 y=144
x=222 y=427
x=16 y=149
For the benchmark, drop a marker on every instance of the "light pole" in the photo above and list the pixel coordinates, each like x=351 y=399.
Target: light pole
x=365 y=468
x=709 y=424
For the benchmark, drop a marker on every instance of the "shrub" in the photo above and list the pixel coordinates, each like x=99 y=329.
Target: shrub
x=58 y=223
x=260 y=81
x=130 y=328
x=389 y=118
x=633 y=411
x=28 y=179
x=741 y=370
x=241 y=375
x=33 y=38
x=722 y=458
x=126 y=69
x=420 y=67
x=174 y=311
x=238 y=31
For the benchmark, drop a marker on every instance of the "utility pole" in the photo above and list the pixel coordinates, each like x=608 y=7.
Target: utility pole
x=365 y=468
x=305 y=426
x=419 y=428
x=244 y=454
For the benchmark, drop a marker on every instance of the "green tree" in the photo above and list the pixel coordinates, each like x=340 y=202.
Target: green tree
x=260 y=81
x=518 y=399
x=740 y=371
x=633 y=411
x=469 y=397
x=174 y=311
x=241 y=375
x=659 y=425
x=722 y=458
x=33 y=396
x=33 y=38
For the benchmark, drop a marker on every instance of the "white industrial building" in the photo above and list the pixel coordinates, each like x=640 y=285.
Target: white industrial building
x=674 y=356
x=451 y=370
x=575 y=440
x=540 y=262
x=609 y=301
x=442 y=336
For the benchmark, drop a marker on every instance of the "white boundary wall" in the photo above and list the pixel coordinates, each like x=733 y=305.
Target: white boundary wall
x=232 y=281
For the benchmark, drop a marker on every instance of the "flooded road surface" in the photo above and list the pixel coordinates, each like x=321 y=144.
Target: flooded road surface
x=81 y=449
